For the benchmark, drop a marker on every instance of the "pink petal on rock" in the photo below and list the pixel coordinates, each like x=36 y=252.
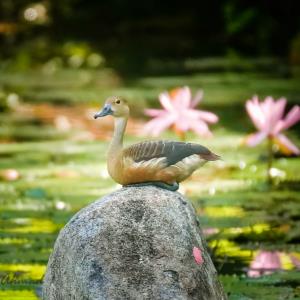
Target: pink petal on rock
x=255 y=138
x=285 y=142
x=197 y=98
x=197 y=255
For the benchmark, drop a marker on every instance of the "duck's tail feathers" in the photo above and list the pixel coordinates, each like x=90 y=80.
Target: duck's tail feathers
x=210 y=156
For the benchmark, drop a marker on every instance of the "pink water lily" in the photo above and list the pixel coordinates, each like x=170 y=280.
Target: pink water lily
x=267 y=116
x=264 y=263
x=179 y=112
x=267 y=262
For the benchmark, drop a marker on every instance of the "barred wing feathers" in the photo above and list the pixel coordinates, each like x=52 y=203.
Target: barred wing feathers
x=167 y=152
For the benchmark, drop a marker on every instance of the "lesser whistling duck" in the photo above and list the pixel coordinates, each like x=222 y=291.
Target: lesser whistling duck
x=160 y=163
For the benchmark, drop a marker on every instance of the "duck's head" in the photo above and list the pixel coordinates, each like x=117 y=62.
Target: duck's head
x=114 y=106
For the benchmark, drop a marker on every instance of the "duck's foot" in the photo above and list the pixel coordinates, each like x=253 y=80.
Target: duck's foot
x=170 y=187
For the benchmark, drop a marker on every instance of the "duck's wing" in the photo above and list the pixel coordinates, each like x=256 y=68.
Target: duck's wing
x=167 y=152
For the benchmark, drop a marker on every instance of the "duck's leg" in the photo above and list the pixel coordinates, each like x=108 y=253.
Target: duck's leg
x=171 y=187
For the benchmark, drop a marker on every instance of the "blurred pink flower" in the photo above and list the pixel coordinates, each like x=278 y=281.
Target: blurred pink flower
x=267 y=116
x=9 y=175
x=179 y=111
x=267 y=262
x=197 y=255
x=210 y=231
x=295 y=259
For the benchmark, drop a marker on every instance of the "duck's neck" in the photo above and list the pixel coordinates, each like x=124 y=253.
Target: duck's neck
x=116 y=144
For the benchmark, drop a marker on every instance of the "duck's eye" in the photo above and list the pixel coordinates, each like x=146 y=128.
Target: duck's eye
x=118 y=101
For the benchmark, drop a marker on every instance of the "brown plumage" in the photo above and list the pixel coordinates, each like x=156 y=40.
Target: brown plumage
x=152 y=161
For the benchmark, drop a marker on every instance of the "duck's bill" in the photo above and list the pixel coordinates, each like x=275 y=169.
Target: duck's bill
x=104 y=112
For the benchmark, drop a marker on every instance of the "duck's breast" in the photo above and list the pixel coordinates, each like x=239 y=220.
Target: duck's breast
x=142 y=171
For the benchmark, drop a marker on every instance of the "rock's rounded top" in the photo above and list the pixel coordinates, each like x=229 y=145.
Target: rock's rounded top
x=145 y=193
x=135 y=243
x=152 y=196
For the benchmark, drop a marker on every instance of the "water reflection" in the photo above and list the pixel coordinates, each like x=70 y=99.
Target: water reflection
x=24 y=271
x=33 y=225
x=17 y=295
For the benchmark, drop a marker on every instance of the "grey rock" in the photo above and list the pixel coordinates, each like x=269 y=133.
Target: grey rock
x=135 y=243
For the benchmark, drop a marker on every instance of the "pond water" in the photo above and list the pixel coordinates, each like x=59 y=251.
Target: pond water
x=52 y=164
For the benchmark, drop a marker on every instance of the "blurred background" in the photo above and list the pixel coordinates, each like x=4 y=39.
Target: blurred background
x=60 y=59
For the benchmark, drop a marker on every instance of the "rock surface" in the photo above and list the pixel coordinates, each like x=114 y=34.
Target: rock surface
x=136 y=243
